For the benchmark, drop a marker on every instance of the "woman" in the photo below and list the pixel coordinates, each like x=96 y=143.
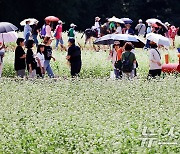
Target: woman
x=128 y=60
x=20 y=58
x=2 y=52
x=30 y=60
x=40 y=61
x=154 y=61
x=48 y=56
x=116 y=55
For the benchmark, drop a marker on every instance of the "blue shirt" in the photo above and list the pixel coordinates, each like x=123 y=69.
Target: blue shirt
x=27 y=29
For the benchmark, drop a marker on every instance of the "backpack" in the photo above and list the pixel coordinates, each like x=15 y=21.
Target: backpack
x=43 y=30
x=127 y=65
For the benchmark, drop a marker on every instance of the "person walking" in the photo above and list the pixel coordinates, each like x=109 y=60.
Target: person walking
x=74 y=58
x=2 y=52
x=48 y=29
x=58 y=36
x=20 y=58
x=40 y=61
x=97 y=25
x=72 y=32
x=35 y=32
x=48 y=56
x=30 y=59
x=116 y=56
x=27 y=31
x=128 y=61
x=154 y=61
x=141 y=28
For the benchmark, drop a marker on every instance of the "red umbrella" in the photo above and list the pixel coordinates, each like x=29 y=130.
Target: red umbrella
x=52 y=19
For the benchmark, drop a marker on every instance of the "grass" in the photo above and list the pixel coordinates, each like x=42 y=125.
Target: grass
x=91 y=115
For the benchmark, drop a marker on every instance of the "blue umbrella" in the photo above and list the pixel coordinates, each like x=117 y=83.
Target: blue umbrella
x=6 y=27
x=127 y=20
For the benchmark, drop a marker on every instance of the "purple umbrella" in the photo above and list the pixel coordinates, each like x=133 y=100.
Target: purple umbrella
x=127 y=20
x=6 y=27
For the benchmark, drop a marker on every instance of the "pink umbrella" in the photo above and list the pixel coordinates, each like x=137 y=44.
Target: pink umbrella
x=52 y=19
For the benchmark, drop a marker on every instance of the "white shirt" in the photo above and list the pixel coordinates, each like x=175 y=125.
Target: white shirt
x=119 y=30
x=153 y=55
x=41 y=58
x=114 y=58
x=96 y=25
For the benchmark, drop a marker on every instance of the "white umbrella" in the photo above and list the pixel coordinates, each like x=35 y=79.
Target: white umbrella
x=8 y=37
x=153 y=21
x=125 y=37
x=158 y=39
x=117 y=20
x=32 y=21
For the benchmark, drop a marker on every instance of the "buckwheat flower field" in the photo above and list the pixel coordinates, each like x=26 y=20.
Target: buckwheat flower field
x=93 y=114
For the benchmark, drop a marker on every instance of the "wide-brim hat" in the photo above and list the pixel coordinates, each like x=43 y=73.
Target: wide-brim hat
x=73 y=25
x=97 y=18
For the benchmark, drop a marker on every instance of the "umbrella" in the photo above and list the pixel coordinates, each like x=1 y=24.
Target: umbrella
x=8 y=37
x=127 y=20
x=117 y=20
x=7 y=27
x=156 y=21
x=52 y=18
x=32 y=21
x=158 y=39
x=153 y=21
x=110 y=38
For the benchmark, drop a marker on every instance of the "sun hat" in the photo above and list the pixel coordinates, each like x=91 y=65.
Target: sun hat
x=140 y=20
x=167 y=23
x=72 y=25
x=97 y=18
x=60 y=22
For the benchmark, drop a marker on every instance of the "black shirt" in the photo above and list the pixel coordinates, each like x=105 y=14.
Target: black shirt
x=20 y=63
x=75 y=53
x=47 y=53
x=30 y=59
x=34 y=30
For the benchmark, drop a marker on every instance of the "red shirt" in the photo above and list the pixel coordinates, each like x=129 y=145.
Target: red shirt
x=58 y=31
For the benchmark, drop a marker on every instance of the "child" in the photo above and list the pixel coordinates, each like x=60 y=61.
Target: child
x=30 y=60
x=40 y=61
x=48 y=56
x=20 y=58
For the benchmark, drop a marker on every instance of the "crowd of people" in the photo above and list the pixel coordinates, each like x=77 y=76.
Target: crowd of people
x=122 y=56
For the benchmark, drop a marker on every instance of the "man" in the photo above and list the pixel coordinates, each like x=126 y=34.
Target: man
x=35 y=32
x=72 y=33
x=27 y=31
x=58 y=35
x=154 y=61
x=141 y=28
x=74 y=58
x=20 y=58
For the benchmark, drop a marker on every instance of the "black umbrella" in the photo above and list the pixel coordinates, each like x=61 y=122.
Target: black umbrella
x=6 y=27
